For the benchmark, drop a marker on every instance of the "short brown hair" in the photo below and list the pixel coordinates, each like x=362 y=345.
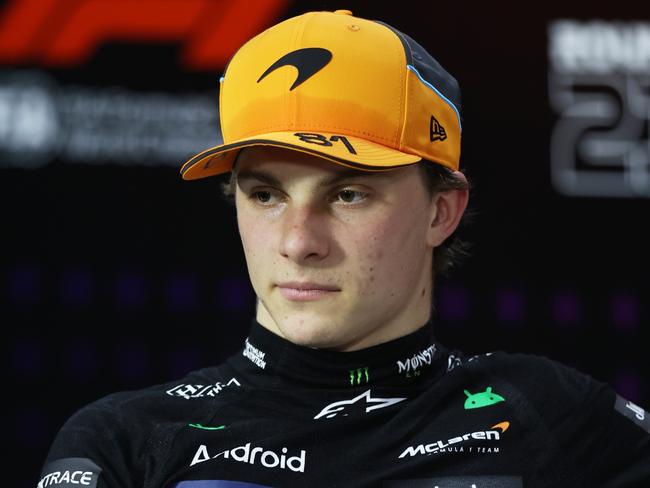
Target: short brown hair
x=437 y=179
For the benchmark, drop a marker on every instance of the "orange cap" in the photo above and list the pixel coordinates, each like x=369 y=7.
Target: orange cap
x=354 y=91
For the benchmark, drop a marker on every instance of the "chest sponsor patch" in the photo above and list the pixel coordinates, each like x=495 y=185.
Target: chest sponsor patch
x=70 y=473
x=199 y=391
x=459 y=482
x=365 y=401
x=633 y=412
x=217 y=484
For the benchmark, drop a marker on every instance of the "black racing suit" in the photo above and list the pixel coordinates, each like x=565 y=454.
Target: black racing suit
x=407 y=413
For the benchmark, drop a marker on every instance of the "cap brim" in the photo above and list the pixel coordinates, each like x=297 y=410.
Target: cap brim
x=348 y=151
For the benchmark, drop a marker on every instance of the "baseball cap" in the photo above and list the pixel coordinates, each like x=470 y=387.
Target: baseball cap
x=354 y=91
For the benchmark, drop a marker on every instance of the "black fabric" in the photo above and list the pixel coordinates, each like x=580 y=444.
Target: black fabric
x=429 y=68
x=407 y=413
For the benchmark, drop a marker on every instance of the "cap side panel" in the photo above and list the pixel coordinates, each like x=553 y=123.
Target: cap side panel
x=431 y=70
x=412 y=68
x=432 y=129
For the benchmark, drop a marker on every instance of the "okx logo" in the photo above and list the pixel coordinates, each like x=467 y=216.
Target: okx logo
x=255 y=455
x=359 y=376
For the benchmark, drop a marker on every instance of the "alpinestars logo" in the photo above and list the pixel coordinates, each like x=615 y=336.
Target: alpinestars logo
x=254 y=354
x=456 y=444
x=244 y=454
x=411 y=366
x=333 y=409
x=436 y=131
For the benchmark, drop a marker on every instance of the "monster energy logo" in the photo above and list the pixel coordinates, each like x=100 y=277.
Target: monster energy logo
x=359 y=376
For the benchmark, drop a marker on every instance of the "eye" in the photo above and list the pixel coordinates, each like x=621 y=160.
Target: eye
x=263 y=197
x=351 y=196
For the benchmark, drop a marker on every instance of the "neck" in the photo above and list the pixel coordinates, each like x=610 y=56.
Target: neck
x=268 y=359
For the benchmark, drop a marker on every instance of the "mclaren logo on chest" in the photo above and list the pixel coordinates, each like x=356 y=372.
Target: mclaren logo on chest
x=307 y=61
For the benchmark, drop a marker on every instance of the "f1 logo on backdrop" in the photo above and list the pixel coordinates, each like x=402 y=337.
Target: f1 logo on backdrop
x=600 y=89
x=66 y=33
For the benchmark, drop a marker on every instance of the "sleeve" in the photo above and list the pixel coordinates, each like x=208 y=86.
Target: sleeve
x=606 y=436
x=98 y=447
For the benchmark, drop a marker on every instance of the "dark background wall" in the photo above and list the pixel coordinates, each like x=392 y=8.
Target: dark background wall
x=116 y=274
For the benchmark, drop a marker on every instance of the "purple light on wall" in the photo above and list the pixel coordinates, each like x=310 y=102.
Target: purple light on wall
x=624 y=311
x=234 y=293
x=24 y=285
x=182 y=292
x=80 y=360
x=32 y=427
x=566 y=308
x=130 y=290
x=510 y=306
x=76 y=287
x=132 y=362
x=454 y=303
x=27 y=357
x=183 y=361
x=628 y=384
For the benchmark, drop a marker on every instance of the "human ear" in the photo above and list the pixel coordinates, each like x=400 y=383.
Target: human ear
x=447 y=208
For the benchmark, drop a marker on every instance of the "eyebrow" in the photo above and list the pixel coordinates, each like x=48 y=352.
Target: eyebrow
x=345 y=174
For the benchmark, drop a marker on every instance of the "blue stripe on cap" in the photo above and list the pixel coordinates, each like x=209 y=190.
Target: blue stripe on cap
x=412 y=68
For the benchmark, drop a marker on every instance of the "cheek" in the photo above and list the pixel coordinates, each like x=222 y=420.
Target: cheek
x=390 y=249
x=254 y=237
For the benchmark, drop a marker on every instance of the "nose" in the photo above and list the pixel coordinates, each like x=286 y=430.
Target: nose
x=304 y=235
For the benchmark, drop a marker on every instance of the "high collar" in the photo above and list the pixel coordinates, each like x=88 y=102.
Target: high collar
x=269 y=360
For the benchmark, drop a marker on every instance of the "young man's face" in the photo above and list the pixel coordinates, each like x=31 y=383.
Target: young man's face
x=337 y=260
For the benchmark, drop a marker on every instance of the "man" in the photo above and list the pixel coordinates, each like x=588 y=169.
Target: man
x=342 y=139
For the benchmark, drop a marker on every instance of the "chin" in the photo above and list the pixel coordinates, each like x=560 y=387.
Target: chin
x=310 y=333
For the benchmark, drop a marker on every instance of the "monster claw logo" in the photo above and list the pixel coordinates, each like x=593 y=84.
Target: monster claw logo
x=358 y=376
x=482 y=399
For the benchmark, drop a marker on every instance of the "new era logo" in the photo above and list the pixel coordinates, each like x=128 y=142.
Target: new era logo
x=436 y=131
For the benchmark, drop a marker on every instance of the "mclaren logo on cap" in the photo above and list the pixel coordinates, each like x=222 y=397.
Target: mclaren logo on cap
x=436 y=131
x=307 y=61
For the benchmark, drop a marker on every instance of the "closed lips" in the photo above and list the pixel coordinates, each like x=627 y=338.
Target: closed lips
x=308 y=286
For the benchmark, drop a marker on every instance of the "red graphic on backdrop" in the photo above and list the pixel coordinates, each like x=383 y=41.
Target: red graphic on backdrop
x=65 y=33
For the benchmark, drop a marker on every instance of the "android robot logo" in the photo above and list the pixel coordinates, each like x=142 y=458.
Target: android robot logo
x=482 y=399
